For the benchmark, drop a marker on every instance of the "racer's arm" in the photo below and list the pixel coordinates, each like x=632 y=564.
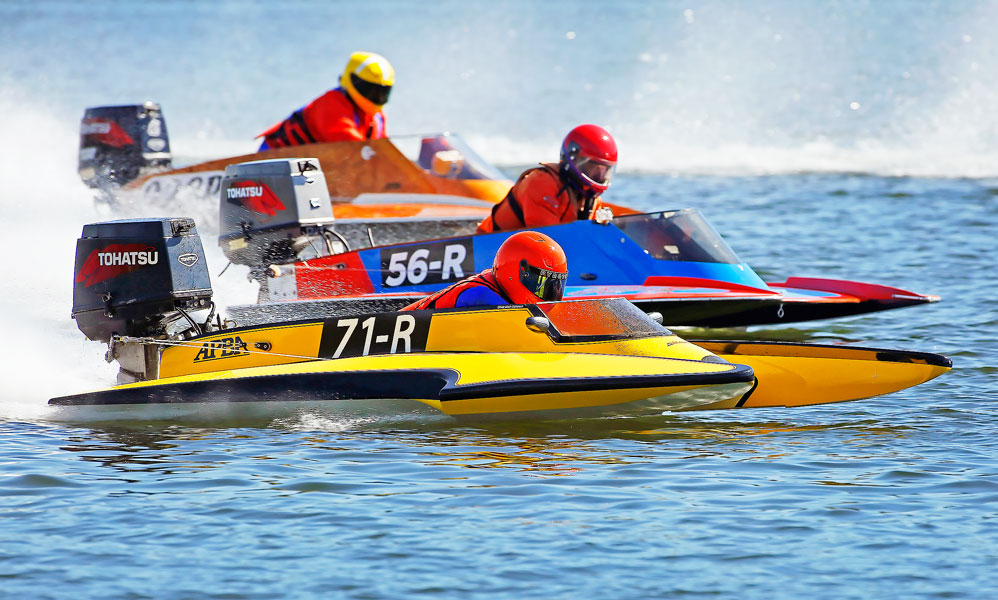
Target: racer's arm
x=479 y=295
x=542 y=204
x=331 y=128
x=330 y=118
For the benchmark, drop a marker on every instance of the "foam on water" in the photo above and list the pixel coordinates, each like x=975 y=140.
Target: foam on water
x=45 y=206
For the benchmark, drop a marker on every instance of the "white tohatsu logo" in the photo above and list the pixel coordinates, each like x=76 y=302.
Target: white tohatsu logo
x=95 y=127
x=114 y=259
x=245 y=192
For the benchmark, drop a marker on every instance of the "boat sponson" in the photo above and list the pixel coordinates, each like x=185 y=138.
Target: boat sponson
x=424 y=384
x=795 y=374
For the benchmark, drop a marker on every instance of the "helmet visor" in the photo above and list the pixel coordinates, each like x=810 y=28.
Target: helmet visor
x=547 y=285
x=596 y=171
x=377 y=94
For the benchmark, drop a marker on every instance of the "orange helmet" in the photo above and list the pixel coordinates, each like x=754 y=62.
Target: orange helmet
x=531 y=267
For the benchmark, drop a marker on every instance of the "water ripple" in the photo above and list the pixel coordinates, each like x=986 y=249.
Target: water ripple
x=892 y=497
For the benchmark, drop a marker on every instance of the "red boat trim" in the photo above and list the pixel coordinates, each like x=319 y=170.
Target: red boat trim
x=698 y=282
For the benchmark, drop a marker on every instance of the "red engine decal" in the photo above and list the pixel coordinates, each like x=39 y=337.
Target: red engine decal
x=108 y=133
x=337 y=275
x=114 y=260
x=257 y=197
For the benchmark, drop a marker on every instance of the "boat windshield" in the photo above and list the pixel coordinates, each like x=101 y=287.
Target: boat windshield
x=613 y=317
x=446 y=155
x=683 y=235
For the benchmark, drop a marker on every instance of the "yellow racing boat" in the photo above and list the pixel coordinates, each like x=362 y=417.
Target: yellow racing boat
x=139 y=282
x=558 y=359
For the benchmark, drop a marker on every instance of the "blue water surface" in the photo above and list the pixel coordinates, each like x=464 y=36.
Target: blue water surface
x=853 y=140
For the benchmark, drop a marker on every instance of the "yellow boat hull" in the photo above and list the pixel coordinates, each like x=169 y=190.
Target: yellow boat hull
x=469 y=384
x=791 y=374
x=586 y=359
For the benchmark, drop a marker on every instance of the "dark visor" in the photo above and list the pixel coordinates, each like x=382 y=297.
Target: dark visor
x=549 y=286
x=596 y=171
x=377 y=94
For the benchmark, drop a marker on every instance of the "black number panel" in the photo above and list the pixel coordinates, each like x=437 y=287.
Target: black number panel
x=391 y=333
x=432 y=263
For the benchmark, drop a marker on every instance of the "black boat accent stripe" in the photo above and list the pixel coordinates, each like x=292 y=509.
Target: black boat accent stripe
x=350 y=385
x=416 y=384
x=748 y=394
x=906 y=356
x=801 y=311
x=899 y=356
x=526 y=387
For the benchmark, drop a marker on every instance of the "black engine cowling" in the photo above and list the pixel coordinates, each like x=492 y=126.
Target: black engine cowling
x=135 y=277
x=121 y=143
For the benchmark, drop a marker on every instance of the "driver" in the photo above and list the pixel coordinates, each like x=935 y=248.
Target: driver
x=348 y=113
x=563 y=192
x=529 y=267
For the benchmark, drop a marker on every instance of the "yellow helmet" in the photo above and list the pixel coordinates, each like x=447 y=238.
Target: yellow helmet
x=368 y=78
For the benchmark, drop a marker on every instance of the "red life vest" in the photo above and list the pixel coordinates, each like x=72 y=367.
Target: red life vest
x=332 y=117
x=447 y=297
x=537 y=199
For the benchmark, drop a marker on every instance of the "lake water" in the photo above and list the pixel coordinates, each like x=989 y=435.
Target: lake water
x=854 y=140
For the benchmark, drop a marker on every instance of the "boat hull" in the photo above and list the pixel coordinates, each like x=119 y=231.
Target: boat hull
x=812 y=299
x=793 y=374
x=548 y=384
x=701 y=284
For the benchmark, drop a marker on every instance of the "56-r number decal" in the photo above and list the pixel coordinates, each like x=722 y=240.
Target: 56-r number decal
x=437 y=262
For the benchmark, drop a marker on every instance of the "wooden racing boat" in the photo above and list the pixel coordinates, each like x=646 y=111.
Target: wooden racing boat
x=393 y=190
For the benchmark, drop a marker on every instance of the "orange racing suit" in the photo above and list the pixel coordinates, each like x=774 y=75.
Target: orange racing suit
x=538 y=198
x=332 y=117
x=477 y=290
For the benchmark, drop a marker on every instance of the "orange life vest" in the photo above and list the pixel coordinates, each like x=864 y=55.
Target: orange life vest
x=537 y=199
x=447 y=297
x=332 y=117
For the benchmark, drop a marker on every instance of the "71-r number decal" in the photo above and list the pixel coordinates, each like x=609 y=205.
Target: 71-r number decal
x=374 y=334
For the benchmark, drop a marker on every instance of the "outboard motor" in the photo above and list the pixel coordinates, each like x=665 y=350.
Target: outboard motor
x=140 y=278
x=274 y=212
x=121 y=143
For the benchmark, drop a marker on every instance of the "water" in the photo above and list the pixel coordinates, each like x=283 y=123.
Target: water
x=854 y=140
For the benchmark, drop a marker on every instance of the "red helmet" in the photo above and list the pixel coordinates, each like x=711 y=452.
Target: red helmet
x=588 y=156
x=531 y=267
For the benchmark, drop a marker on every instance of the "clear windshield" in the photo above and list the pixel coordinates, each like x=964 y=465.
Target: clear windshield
x=607 y=317
x=446 y=155
x=682 y=235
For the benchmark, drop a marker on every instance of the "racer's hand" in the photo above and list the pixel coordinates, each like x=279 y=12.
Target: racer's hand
x=603 y=216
